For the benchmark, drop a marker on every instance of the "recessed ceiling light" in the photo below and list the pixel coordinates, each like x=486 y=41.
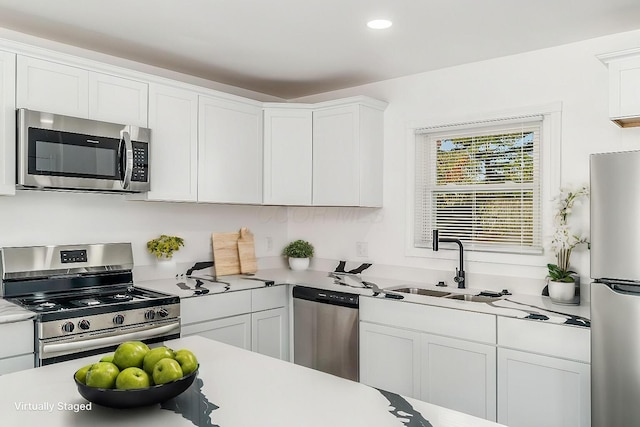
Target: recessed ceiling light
x=379 y=24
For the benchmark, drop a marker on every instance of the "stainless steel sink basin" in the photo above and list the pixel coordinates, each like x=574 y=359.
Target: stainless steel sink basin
x=421 y=291
x=473 y=298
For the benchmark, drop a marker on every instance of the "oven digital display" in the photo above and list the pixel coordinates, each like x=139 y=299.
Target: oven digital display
x=79 y=255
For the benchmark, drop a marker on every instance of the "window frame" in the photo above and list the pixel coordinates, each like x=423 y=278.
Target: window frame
x=550 y=152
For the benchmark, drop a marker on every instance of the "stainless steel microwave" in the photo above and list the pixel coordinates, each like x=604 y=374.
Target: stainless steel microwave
x=68 y=153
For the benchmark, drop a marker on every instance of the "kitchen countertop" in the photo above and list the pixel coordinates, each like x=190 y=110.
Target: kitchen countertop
x=10 y=312
x=234 y=388
x=537 y=308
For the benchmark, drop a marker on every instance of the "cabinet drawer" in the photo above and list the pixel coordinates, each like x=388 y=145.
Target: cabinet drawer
x=268 y=298
x=462 y=324
x=199 y=309
x=17 y=338
x=17 y=363
x=564 y=341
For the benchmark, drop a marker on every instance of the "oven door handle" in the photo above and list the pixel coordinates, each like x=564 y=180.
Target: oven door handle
x=94 y=343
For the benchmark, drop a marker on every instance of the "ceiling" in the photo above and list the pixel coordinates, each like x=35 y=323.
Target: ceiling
x=293 y=48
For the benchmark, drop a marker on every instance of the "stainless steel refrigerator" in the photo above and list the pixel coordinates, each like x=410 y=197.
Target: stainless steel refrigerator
x=615 y=291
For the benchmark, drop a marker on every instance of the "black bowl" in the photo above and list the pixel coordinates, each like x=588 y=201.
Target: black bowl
x=134 y=398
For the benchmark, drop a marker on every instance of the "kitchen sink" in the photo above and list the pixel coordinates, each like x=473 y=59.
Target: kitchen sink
x=473 y=298
x=421 y=291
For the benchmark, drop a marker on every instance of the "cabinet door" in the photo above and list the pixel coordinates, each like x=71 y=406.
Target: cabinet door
x=270 y=333
x=229 y=151
x=234 y=330
x=7 y=123
x=173 y=120
x=336 y=163
x=117 y=100
x=17 y=363
x=459 y=375
x=287 y=156
x=535 y=390
x=51 y=87
x=390 y=359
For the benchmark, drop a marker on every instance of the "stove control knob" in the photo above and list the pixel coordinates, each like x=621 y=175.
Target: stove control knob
x=68 y=327
x=163 y=312
x=118 y=319
x=150 y=315
x=84 y=324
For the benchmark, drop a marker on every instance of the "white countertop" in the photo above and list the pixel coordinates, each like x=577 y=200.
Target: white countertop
x=10 y=312
x=234 y=388
x=535 y=308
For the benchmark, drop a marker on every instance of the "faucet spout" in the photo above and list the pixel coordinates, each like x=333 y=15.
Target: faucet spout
x=460 y=275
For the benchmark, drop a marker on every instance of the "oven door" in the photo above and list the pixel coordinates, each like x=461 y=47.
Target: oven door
x=61 y=152
x=56 y=350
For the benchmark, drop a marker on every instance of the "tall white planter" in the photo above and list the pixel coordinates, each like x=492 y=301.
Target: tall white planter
x=298 y=264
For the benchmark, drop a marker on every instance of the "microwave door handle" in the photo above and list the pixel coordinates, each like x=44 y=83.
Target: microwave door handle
x=128 y=159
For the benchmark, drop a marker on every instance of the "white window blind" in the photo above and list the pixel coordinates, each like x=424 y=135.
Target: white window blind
x=480 y=183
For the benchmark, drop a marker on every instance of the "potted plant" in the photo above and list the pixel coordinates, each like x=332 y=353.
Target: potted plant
x=561 y=280
x=298 y=252
x=164 y=246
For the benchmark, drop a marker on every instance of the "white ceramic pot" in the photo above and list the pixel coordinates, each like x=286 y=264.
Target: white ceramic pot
x=298 y=264
x=562 y=291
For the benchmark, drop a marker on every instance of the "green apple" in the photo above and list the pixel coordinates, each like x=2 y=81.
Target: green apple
x=102 y=375
x=130 y=353
x=81 y=374
x=154 y=355
x=107 y=358
x=187 y=360
x=131 y=378
x=166 y=370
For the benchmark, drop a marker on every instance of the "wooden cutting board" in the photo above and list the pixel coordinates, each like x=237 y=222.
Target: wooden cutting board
x=247 y=251
x=225 y=253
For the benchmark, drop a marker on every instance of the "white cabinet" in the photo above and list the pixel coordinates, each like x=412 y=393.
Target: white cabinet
x=287 y=155
x=544 y=374
x=347 y=153
x=235 y=330
x=269 y=333
x=459 y=374
x=62 y=89
x=229 y=151
x=624 y=87
x=173 y=120
x=255 y=319
x=390 y=359
x=17 y=352
x=7 y=123
x=439 y=355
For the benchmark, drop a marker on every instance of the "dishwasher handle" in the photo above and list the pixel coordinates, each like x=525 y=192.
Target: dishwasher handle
x=323 y=296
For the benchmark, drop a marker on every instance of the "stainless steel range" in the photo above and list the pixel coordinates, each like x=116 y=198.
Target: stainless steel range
x=84 y=299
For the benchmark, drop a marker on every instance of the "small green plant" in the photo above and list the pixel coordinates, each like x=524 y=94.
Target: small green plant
x=298 y=249
x=558 y=274
x=164 y=246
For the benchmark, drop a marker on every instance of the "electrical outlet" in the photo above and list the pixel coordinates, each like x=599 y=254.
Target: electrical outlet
x=269 y=244
x=362 y=249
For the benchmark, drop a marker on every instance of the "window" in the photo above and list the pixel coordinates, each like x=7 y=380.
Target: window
x=480 y=183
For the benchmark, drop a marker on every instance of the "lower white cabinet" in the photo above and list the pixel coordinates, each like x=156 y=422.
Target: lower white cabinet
x=449 y=372
x=17 y=351
x=235 y=330
x=256 y=319
x=270 y=333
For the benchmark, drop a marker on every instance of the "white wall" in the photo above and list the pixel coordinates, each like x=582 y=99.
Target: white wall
x=51 y=218
x=570 y=74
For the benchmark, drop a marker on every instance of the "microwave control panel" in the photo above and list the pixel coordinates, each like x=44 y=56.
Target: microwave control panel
x=140 y=162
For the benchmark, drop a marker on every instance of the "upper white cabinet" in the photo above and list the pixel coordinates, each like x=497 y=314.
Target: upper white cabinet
x=229 y=151
x=62 y=89
x=7 y=123
x=287 y=155
x=173 y=119
x=624 y=87
x=347 y=153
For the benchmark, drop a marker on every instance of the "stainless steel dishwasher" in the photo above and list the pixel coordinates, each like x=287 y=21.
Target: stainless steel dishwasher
x=325 y=331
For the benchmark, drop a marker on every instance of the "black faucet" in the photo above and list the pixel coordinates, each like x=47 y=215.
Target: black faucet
x=459 y=279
